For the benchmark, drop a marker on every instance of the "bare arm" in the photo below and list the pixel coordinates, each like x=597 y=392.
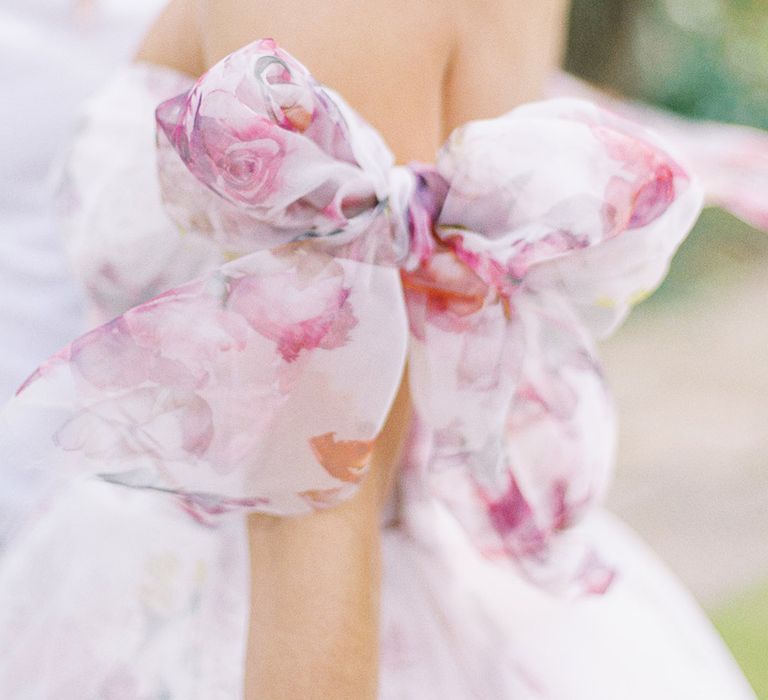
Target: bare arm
x=315 y=590
x=314 y=603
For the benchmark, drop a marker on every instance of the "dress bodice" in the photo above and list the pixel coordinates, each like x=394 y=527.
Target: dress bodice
x=272 y=271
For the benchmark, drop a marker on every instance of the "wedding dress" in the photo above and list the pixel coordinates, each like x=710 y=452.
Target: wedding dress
x=262 y=271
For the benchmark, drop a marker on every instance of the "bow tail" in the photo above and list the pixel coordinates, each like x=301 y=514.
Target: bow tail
x=560 y=443
x=515 y=430
x=260 y=386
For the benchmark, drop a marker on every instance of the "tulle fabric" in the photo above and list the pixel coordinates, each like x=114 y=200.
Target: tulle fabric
x=131 y=601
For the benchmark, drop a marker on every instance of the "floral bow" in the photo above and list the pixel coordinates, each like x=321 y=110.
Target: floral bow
x=263 y=384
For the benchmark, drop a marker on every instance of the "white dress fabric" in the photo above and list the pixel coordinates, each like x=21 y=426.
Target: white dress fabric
x=503 y=578
x=66 y=54
x=67 y=49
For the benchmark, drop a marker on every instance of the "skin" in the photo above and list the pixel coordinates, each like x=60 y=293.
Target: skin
x=415 y=70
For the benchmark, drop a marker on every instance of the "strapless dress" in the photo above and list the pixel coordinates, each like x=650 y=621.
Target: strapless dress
x=261 y=274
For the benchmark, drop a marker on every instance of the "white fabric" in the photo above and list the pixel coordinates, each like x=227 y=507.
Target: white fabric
x=52 y=56
x=51 y=59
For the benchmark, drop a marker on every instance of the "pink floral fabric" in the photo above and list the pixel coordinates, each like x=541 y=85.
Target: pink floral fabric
x=262 y=383
x=731 y=160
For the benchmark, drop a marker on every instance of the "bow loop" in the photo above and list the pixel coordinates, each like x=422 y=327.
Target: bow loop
x=546 y=181
x=258 y=154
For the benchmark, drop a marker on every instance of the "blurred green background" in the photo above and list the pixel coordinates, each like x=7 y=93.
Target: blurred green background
x=705 y=59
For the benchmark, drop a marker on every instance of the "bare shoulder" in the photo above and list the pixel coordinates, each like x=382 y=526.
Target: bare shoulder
x=413 y=69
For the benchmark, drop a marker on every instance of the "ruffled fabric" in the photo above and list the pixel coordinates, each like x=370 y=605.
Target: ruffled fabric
x=115 y=595
x=262 y=383
x=119 y=240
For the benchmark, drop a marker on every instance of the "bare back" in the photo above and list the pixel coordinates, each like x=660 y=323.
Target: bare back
x=388 y=59
x=413 y=69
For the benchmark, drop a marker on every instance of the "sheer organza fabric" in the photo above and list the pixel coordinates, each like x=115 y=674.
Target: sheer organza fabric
x=263 y=383
x=265 y=273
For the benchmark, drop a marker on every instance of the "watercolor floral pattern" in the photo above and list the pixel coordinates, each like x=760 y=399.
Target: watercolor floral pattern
x=261 y=383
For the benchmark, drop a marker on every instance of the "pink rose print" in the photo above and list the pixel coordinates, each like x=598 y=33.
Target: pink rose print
x=512 y=516
x=267 y=159
x=249 y=169
x=301 y=303
x=444 y=292
x=239 y=157
x=646 y=186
